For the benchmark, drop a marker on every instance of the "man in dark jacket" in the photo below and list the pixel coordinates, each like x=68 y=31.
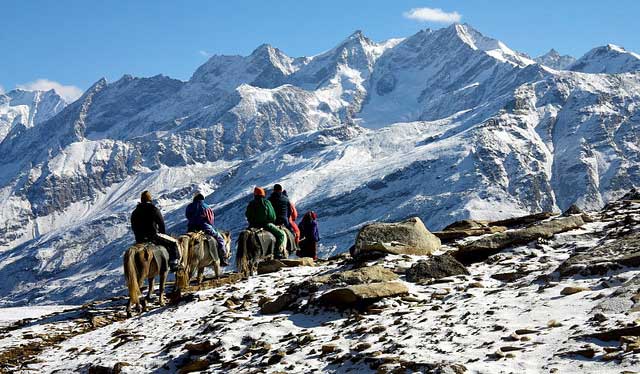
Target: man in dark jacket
x=260 y=214
x=281 y=206
x=148 y=226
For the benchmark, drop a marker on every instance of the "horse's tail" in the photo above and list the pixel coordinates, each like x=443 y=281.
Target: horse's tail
x=131 y=274
x=242 y=262
x=195 y=249
x=183 y=276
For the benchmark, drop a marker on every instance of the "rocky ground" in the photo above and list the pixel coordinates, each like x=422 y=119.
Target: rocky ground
x=539 y=294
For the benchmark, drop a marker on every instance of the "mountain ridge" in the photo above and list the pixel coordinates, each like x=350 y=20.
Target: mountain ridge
x=445 y=124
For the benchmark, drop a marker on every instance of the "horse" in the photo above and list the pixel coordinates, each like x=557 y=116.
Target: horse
x=144 y=260
x=255 y=245
x=203 y=252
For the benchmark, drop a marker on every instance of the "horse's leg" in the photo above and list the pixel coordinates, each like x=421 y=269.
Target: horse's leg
x=200 y=274
x=163 y=279
x=150 y=293
x=216 y=268
x=129 y=307
x=141 y=303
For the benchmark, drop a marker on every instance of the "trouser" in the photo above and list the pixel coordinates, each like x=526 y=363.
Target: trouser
x=219 y=239
x=280 y=236
x=170 y=244
x=309 y=248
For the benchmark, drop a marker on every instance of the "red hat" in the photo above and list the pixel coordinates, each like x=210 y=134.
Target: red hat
x=259 y=192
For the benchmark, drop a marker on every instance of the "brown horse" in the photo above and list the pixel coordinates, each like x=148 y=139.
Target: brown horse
x=203 y=252
x=144 y=260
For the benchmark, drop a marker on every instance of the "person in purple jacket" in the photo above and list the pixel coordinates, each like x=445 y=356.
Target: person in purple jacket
x=309 y=235
x=200 y=218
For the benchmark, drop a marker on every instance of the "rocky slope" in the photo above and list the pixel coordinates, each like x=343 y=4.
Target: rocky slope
x=445 y=124
x=565 y=299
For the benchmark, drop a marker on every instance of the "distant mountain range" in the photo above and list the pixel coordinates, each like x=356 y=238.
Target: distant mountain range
x=445 y=124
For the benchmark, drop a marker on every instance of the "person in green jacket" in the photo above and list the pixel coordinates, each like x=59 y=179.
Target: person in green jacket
x=260 y=214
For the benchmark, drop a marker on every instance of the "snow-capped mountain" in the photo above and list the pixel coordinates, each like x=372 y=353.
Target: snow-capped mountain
x=444 y=124
x=554 y=60
x=609 y=59
x=27 y=108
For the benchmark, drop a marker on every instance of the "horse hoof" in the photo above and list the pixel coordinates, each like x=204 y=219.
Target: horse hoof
x=128 y=314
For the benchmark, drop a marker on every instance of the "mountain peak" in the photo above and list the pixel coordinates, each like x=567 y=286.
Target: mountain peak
x=477 y=41
x=608 y=59
x=554 y=60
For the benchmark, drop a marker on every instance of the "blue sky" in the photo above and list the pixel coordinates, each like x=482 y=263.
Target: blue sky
x=73 y=43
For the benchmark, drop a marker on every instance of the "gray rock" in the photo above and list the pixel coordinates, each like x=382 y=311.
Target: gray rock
x=371 y=274
x=406 y=237
x=466 y=224
x=624 y=251
x=621 y=300
x=523 y=221
x=362 y=293
x=270 y=266
x=435 y=267
x=451 y=234
x=481 y=249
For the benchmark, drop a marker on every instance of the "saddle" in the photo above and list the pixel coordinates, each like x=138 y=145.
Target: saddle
x=202 y=237
x=160 y=253
x=261 y=239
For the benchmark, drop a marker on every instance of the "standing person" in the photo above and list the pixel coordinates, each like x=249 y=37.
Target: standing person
x=260 y=214
x=148 y=227
x=280 y=203
x=293 y=217
x=200 y=217
x=310 y=235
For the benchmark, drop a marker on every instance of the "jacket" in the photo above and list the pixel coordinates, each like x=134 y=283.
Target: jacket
x=199 y=216
x=146 y=222
x=260 y=212
x=309 y=229
x=280 y=204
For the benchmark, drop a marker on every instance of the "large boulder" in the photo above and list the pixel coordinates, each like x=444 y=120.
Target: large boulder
x=407 y=237
x=435 y=267
x=480 y=249
x=362 y=294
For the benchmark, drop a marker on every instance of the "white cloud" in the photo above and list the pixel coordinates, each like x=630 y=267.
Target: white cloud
x=204 y=53
x=69 y=93
x=1 y=89
x=432 y=15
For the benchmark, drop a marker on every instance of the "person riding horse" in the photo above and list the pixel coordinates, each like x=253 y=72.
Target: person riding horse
x=260 y=214
x=148 y=227
x=200 y=217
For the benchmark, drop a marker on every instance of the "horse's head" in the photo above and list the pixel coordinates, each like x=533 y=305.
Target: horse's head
x=226 y=236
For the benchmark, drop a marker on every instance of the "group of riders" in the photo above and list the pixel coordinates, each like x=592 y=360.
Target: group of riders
x=274 y=214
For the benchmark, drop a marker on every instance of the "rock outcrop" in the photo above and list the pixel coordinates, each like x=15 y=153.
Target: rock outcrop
x=482 y=248
x=407 y=237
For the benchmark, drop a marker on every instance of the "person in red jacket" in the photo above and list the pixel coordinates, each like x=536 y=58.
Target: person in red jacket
x=293 y=216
